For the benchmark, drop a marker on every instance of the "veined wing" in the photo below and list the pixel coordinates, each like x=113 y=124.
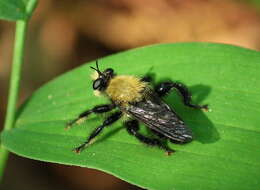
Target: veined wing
x=158 y=116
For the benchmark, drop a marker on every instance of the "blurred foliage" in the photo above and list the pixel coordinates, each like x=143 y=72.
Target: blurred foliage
x=12 y=9
x=255 y=2
x=16 y=9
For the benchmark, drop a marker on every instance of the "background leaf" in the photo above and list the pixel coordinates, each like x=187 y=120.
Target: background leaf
x=225 y=153
x=14 y=9
x=255 y=3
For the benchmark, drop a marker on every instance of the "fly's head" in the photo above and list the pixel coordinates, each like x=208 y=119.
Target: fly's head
x=101 y=82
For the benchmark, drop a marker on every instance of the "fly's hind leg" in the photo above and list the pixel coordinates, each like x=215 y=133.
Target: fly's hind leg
x=158 y=134
x=97 y=109
x=164 y=87
x=146 y=79
x=133 y=127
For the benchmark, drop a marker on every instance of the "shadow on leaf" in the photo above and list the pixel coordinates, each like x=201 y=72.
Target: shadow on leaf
x=203 y=129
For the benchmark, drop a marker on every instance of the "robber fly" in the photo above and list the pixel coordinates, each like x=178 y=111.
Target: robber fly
x=136 y=100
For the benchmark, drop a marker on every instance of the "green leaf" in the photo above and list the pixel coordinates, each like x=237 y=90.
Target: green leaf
x=224 y=154
x=254 y=2
x=16 y=9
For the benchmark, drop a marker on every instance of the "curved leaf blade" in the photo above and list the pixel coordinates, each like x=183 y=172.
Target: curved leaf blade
x=225 y=153
x=16 y=9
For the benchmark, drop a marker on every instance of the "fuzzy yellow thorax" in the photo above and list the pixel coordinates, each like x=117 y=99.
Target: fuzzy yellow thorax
x=124 y=89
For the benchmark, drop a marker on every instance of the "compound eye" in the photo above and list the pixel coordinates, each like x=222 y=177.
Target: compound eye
x=97 y=83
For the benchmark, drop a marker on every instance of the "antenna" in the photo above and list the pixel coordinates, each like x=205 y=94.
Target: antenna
x=97 y=69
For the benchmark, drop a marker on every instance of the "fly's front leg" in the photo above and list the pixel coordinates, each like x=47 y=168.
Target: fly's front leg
x=163 y=88
x=97 y=109
x=133 y=127
x=111 y=119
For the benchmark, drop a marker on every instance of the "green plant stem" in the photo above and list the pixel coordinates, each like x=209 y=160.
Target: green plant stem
x=3 y=159
x=15 y=75
x=18 y=55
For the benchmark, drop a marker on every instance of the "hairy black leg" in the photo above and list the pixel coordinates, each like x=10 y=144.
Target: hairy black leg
x=161 y=136
x=132 y=128
x=146 y=79
x=97 y=109
x=163 y=88
x=111 y=119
